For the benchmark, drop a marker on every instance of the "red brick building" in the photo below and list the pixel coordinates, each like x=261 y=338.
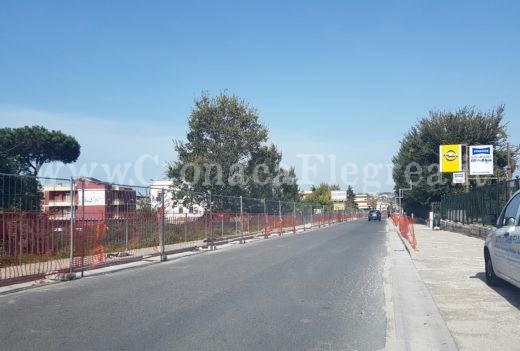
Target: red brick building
x=92 y=199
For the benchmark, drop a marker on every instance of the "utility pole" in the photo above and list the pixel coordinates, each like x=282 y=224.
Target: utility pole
x=509 y=169
x=466 y=168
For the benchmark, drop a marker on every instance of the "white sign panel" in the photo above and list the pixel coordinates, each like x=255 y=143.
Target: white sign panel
x=338 y=196
x=481 y=160
x=92 y=197
x=459 y=178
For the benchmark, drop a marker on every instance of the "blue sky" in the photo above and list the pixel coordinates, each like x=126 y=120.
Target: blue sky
x=343 y=78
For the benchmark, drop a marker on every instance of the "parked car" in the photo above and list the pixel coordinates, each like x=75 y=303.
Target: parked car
x=374 y=215
x=502 y=245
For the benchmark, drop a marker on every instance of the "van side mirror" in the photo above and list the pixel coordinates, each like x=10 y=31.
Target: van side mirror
x=490 y=219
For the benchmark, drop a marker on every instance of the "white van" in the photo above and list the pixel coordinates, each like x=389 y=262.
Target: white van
x=502 y=246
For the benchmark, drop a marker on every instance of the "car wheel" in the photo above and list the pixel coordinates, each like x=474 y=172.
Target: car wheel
x=491 y=278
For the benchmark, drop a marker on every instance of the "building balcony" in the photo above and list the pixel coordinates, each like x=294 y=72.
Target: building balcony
x=59 y=187
x=59 y=203
x=60 y=217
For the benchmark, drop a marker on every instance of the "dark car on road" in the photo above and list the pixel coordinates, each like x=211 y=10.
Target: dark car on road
x=374 y=215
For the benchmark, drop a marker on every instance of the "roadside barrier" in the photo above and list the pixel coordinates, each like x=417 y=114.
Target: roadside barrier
x=33 y=246
x=59 y=227
x=405 y=226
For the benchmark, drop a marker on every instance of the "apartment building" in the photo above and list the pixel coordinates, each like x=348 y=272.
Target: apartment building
x=90 y=198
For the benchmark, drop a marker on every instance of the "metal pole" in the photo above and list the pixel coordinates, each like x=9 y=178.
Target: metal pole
x=212 y=232
x=186 y=228
x=72 y=209
x=311 y=216
x=241 y=222
x=400 y=203
x=280 y=215
x=265 y=220
x=126 y=234
x=466 y=168
x=509 y=169
x=82 y=203
x=294 y=217
x=82 y=219
x=161 y=229
x=222 y=225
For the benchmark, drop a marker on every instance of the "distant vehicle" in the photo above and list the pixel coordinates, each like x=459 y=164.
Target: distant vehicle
x=374 y=215
x=502 y=245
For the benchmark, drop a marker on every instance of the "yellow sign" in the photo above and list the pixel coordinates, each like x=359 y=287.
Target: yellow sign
x=450 y=158
x=339 y=206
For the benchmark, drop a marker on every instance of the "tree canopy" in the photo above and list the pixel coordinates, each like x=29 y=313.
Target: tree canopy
x=226 y=153
x=351 y=198
x=418 y=156
x=321 y=194
x=25 y=150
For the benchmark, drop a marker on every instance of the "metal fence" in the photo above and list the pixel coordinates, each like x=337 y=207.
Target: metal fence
x=471 y=207
x=50 y=226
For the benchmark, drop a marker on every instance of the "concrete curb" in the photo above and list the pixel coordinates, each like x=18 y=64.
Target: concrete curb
x=405 y=242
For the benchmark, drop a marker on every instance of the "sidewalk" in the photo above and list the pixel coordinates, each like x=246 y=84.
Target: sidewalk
x=452 y=267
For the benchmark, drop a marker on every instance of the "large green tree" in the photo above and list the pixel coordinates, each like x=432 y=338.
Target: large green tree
x=351 y=198
x=321 y=194
x=226 y=154
x=27 y=149
x=418 y=156
x=23 y=151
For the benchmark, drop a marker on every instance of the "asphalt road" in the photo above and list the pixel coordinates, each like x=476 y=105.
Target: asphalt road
x=321 y=290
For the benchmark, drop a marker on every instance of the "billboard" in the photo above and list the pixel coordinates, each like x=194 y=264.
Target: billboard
x=481 y=160
x=340 y=206
x=338 y=196
x=459 y=178
x=450 y=158
x=92 y=197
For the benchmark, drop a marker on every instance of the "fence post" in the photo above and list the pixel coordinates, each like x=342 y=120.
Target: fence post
x=211 y=231
x=126 y=234
x=294 y=217
x=265 y=220
x=241 y=222
x=82 y=203
x=280 y=216
x=72 y=210
x=161 y=229
x=185 y=228
x=312 y=223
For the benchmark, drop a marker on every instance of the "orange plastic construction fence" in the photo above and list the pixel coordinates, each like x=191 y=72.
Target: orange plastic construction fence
x=405 y=226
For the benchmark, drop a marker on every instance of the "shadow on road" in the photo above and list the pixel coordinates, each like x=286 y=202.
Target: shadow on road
x=509 y=292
